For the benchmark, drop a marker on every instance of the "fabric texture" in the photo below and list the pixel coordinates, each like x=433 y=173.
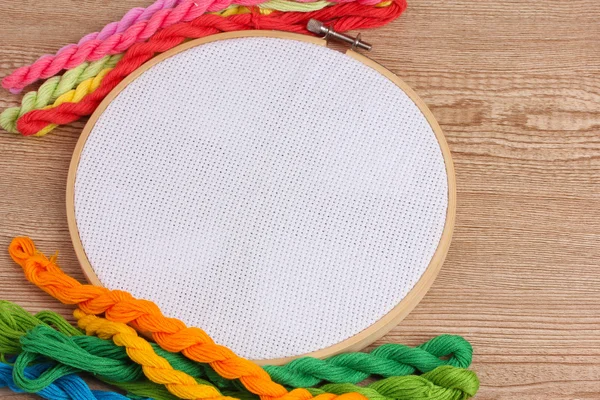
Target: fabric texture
x=279 y=194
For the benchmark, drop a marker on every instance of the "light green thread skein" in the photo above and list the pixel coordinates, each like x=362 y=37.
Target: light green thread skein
x=443 y=383
x=15 y=322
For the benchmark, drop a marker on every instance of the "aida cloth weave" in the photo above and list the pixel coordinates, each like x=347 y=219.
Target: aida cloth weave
x=279 y=194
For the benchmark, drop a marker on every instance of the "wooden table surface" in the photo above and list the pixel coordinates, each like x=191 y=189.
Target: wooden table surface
x=516 y=87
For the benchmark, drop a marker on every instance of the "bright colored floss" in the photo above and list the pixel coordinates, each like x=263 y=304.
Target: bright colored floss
x=53 y=88
x=114 y=41
x=83 y=89
x=387 y=360
x=155 y=367
x=341 y=17
x=69 y=387
x=443 y=383
x=15 y=322
x=171 y=334
x=105 y=359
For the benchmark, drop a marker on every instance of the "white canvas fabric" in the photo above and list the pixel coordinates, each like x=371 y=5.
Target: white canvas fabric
x=280 y=195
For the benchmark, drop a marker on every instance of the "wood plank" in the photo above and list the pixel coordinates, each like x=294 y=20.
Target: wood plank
x=516 y=87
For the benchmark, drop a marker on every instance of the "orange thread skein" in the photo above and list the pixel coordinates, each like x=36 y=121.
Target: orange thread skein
x=170 y=333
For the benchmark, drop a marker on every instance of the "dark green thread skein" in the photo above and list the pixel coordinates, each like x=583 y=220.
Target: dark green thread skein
x=386 y=361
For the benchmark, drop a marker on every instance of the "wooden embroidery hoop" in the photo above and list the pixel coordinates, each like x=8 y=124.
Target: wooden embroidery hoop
x=405 y=306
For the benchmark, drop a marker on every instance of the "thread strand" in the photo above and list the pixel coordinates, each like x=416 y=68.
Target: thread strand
x=16 y=322
x=443 y=383
x=155 y=367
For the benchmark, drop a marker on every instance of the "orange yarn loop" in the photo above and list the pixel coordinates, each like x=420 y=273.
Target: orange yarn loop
x=170 y=333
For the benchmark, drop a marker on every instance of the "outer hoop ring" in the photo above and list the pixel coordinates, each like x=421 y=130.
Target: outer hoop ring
x=405 y=306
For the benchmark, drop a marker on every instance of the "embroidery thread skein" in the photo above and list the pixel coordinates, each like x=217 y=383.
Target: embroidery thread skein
x=73 y=96
x=171 y=334
x=155 y=367
x=387 y=360
x=94 y=48
x=131 y=17
x=16 y=323
x=341 y=17
x=53 y=88
x=44 y=341
x=445 y=382
x=69 y=387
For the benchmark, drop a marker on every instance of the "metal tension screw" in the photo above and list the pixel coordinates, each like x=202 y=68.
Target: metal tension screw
x=319 y=28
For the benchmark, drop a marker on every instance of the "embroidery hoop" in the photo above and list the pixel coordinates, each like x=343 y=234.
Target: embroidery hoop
x=384 y=324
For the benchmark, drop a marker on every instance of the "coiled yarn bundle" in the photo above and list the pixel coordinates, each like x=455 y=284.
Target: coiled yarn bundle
x=123 y=308
x=31 y=337
x=56 y=86
x=386 y=361
x=342 y=17
x=171 y=334
x=136 y=26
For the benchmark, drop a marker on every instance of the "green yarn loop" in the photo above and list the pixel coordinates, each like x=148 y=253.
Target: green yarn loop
x=15 y=322
x=386 y=361
x=53 y=88
x=45 y=341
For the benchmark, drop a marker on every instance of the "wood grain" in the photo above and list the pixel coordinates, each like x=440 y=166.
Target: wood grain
x=516 y=87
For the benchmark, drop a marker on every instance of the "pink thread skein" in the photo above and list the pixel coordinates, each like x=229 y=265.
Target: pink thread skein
x=96 y=45
x=131 y=17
